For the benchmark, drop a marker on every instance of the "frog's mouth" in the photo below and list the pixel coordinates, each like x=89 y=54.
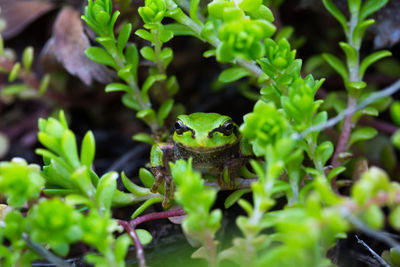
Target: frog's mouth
x=204 y=150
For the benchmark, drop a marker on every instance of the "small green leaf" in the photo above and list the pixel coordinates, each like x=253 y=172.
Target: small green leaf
x=116 y=87
x=332 y=8
x=147 y=115
x=143 y=137
x=144 y=236
x=324 y=152
x=123 y=36
x=166 y=55
x=233 y=74
x=194 y=5
x=132 y=58
x=131 y=102
x=14 y=72
x=164 y=110
x=372 y=58
x=27 y=58
x=148 y=83
x=99 y=55
x=361 y=134
x=88 y=149
x=179 y=29
x=132 y=187
x=359 y=85
x=337 y=65
x=235 y=196
x=395 y=112
x=70 y=149
x=107 y=42
x=148 y=53
x=121 y=247
x=82 y=181
x=394 y=218
x=359 y=31
x=371 y=6
x=354 y=6
x=106 y=189
x=13 y=89
x=145 y=35
x=396 y=139
x=165 y=35
x=146 y=177
x=335 y=172
x=145 y=205
x=209 y=53
x=244 y=204
x=351 y=54
x=44 y=84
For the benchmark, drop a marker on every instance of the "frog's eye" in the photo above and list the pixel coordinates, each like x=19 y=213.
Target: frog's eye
x=179 y=127
x=228 y=127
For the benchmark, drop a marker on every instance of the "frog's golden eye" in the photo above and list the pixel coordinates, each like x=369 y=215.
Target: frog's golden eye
x=179 y=127
x=226 y=129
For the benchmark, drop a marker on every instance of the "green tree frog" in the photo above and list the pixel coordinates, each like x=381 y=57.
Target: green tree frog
x=210 y=139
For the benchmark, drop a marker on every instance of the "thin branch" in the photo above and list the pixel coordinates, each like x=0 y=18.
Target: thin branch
x=135 y=238
x=157 y=215
x=44 y=252
x=388 y=91
x=374 y=254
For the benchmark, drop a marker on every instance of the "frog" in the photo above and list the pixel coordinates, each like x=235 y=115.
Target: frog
x=212 y=141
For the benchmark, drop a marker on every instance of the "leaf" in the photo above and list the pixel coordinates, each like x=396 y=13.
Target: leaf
x=70 y=148
x=13 y=89
x=99 y=55
x=88 y=149
x=164 y=110
x=132 y=187
x=335 y=172
x=148 y=53
x=144 y=236
x=361 y=134
x=371 y=6
x=332 y=8
x=123 y=37
x=235 y=196
x=81 y=179
x=44 y=84
x=27 y=58
x=194 y=5
x=233 y=74
x=131 y=102
x=351 y=54
x=116 y=87
x=145 y=35
x=323 y=152
x=166 y=55
x=179 y=29
x=143 y=137
x=354 y=6
x=372 y=58
x=337 y=65
x=148 y=115
x=105 y=190
x=146 y=177
x=132 y=58
x=14 y=72
x=121 y=247
x=145 y=205
x=148 y=83
x=359 y=31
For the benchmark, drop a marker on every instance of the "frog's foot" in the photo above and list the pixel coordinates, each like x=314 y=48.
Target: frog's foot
x=169 y=191
x=159 y=174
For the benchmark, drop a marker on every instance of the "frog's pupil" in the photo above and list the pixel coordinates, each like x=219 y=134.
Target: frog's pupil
x=177 y=125
x=229 y=127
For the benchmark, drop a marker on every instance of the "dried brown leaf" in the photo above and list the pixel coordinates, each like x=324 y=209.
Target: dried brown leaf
x=67 y=46
x=19 y=14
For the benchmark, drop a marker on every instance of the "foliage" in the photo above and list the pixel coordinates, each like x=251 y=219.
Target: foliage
x=290 y=161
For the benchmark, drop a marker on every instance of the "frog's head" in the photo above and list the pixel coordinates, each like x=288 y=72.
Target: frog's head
x=205 y=131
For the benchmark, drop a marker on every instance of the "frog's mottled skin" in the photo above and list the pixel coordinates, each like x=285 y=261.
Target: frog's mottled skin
x=210 y=139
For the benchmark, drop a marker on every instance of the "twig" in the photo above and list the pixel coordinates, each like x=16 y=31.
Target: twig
x=388 y=91
x=129 y=228
x=345 y=134
x=44 y=252
x=379 y=235
x=374 y=254
x=157 y=215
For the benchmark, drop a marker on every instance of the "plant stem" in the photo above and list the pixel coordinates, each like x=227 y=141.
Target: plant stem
x=354 y=76
x=133 y=235
x=157 y=215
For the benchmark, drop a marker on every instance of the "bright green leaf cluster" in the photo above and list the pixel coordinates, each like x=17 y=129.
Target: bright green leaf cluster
x=153 y=11
x=55 y=223
x=241 y=28
x=196 y=199
x=262 y=130
x=20 y=181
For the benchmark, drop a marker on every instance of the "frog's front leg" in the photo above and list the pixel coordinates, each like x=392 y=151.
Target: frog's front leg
x=230 y=172
x=160 y=155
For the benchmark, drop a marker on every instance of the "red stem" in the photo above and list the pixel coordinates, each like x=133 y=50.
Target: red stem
x=133 y=235
x=157 y=215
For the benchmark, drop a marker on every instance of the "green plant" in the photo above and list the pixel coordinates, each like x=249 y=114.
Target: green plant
x=284 y=130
